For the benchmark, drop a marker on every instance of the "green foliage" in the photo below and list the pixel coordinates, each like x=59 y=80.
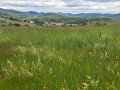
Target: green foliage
x=100 y=19
x=66 y=19
x=83 y=24
x=14 y=19
x=104 y=24
x=97 y=24
x=26 y=25
x=100 y=24
x=10 y=24
x=38 y=22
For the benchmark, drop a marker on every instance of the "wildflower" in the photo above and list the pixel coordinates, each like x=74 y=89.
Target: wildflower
x=53 y=76
x=31 y=68
x=85 y=85
x=88 y=77
x=50 y=70
x=107 y=88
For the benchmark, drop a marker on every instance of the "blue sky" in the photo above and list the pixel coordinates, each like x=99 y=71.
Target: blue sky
x=65 y=6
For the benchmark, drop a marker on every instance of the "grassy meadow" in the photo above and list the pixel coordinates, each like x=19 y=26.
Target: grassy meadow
x=60 y=58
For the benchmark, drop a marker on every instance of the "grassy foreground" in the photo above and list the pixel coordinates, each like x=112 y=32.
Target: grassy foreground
x=66 y=58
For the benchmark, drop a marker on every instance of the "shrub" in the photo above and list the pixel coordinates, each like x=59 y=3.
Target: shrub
x=10 y=24
x=97 y=24
x=26 y=25
x=104 y=24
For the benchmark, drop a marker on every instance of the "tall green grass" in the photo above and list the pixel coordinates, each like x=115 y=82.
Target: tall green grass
x=67 y=58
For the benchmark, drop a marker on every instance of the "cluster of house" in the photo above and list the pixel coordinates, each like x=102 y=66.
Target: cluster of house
x=2 y=18
x=73 y=25
x=50 y=24
x=6 y=19
x=53 y=24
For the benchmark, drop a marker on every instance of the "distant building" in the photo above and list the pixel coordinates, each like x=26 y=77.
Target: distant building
x=53 y=24
x=46 y=22
x=73 y=25
x=7 y=20
x=2 y=18
x=32 y=22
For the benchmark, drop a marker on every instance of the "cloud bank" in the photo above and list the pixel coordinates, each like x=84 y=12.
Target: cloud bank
x=65 y=6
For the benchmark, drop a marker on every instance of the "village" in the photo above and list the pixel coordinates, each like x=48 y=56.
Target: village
x=28 y=22
x=45 y=24
x=53 y=24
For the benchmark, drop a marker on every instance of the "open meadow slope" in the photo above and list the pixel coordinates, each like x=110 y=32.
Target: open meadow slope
x=60 y=58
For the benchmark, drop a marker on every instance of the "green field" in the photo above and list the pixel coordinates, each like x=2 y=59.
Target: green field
x=60 y=58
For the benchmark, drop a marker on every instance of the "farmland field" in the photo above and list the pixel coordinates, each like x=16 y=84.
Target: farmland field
x=60 y=58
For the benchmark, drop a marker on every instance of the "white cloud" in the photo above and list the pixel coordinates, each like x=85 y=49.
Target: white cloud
x=65 y=6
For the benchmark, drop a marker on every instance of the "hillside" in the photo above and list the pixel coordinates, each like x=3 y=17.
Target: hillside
x=90 y=15
x=19 y=14
x=69 y=20
x=55 y=18
x=40 y=20
x=82 y=15
x=12 y=13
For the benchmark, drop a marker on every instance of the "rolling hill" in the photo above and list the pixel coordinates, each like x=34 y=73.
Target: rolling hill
x=82 y=15
x=40 y=18
x=19 y=14
x=13 y=13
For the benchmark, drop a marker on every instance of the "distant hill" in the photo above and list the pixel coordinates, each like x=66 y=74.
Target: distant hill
x=18 y=14
x=67 y=18
x=13 y=13
x=90 y=15
x=82 y=15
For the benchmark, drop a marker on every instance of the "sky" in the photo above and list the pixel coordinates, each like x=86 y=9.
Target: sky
x=63 y=6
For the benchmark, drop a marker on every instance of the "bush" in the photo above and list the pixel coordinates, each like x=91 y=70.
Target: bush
x=10 y=24
x=40 y=23
x=104 y=24
x=97 y=24
x=26 y=25
x=83 y=24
